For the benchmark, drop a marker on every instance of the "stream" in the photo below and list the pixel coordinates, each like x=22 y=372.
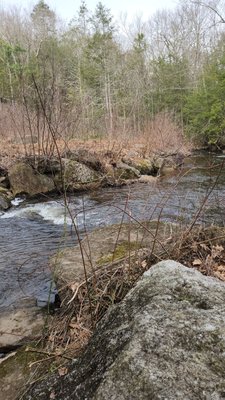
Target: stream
x=30 y=232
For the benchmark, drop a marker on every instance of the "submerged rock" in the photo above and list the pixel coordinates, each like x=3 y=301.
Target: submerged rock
x=165 y=340
x=24 y=179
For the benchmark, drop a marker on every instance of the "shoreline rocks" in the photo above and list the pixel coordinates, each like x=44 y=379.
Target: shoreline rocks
x=24 y=179
x=81 y=170
x=4 y=202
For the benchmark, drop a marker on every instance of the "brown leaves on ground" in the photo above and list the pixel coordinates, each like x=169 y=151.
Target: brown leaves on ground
x=204 y=249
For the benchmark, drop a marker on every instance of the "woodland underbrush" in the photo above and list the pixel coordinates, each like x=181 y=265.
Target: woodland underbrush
x=87 y=302
x=19 y=138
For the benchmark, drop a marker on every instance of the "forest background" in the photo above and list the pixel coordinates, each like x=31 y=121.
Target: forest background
x=94 y=77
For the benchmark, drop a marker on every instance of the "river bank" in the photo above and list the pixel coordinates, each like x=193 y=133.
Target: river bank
x=82 y=170
x=177 y=201
x=120 y=256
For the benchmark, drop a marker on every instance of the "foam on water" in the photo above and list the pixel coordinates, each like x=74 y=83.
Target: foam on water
x=53 y=211
x=17 y=201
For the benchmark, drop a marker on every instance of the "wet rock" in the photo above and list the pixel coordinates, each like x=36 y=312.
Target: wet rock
x=4 y=201
x=144 y=165
x=124 y=171
x=19 y=324
x=165 y=164
x=165 y=340
x=24 y=179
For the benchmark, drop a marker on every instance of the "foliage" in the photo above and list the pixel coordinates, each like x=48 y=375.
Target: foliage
x=94 y=78
x=205 y=106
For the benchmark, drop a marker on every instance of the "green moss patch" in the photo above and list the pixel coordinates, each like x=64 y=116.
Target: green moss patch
x=121 y=250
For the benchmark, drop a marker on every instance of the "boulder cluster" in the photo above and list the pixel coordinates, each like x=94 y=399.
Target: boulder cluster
x=79 y=170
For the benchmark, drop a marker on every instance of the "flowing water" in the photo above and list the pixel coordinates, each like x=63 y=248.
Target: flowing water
x=31 y=232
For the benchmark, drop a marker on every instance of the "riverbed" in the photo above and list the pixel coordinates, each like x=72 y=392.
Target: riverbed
x=31 y=231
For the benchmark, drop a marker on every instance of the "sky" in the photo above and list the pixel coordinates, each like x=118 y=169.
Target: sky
x=67 y=8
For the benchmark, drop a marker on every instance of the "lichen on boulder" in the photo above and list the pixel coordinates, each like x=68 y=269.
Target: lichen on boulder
x=165 y=340
x=77 y=176
x=144 y=165
x=124 y=171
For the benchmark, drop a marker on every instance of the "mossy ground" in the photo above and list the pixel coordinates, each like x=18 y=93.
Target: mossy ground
x=121 y=251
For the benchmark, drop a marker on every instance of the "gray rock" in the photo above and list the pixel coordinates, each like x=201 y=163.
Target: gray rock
x=144 y=165
x=124 y=171
x=24 y=179
x=18 y=324
x=4 y=202
x=166 y=164
x=78 y=176
x=165 y=340
x=87 y=157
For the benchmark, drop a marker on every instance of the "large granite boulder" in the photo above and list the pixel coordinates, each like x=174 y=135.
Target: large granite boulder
x=165 y=340
x=84 y=156
x=77 y=176
x=24 y=179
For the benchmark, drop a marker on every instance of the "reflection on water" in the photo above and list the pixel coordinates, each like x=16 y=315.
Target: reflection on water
x=30 y=233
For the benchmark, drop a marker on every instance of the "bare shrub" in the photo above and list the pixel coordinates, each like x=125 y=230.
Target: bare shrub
x=163 y=134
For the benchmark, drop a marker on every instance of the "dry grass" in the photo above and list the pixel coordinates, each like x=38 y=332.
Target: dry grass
x=203 y=248
x=16 y=140
x=73 y=325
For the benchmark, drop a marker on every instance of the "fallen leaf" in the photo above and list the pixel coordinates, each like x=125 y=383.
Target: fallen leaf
x=62 y=371
x=221 y=268
x=194 y=246
x=197 y=261
x=74 y=325
x=144 y=264
x=216 y=251
x=204 y=246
